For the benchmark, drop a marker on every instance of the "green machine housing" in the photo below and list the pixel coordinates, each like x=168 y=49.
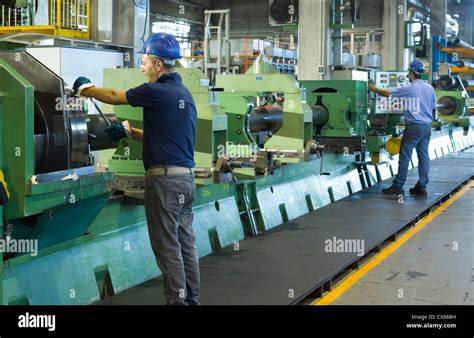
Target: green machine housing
x=47 y=153
x=451 y=107
x=268 y=115
x=340 y=111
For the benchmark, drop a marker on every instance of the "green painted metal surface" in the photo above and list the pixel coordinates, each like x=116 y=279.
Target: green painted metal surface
x=18 y=147
x=346 y=101
x=457 y=117
x=262 y=80
x=55 y=202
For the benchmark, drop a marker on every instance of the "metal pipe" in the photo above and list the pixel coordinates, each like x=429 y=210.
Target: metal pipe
x=320 y=115
x=265 y=119
x=98 y=138
x=463 y=63
x=460 y=43
x=415 y=13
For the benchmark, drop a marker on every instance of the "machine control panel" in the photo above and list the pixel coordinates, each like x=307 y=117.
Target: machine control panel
x=385 y=80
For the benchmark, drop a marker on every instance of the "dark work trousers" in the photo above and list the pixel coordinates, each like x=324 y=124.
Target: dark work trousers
x=168 y=206
x=415 y=136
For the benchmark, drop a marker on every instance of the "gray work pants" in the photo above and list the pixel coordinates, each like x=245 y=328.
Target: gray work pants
x=169 y=214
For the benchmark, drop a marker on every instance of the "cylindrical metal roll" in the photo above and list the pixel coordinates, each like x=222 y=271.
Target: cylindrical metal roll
x=79 y=140
x=320 y=115
x=446 y=105
x=98 y=138
x=265 y=119
x=461 y=43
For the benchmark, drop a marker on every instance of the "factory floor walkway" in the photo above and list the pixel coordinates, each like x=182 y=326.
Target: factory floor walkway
x=303 y=259
x=433 y=267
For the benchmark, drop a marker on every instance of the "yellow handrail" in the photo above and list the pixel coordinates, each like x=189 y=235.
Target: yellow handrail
x=68 y=18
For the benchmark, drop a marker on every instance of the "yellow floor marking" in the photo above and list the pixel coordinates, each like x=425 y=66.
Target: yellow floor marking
x=376 y=260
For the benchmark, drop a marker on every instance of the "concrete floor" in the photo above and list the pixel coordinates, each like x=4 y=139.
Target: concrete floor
x=426 y=270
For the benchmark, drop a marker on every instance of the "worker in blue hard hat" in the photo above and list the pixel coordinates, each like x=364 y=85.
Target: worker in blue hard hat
x=169 y=119
x=418 y=101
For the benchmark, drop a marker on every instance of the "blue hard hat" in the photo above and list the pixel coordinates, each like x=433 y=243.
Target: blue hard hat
x=163 y=45
x=416 y=66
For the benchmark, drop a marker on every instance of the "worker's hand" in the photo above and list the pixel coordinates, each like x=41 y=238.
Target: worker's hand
x=80 y=84
x=128 y=128
x=372 y=86
x=116 y=131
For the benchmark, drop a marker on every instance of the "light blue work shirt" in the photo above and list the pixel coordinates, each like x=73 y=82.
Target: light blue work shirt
x=418 y=100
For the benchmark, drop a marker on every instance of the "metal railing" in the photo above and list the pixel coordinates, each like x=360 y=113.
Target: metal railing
x=69 y=18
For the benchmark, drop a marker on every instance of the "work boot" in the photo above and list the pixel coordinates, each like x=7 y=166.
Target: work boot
x=417 y=190
x=392 y=191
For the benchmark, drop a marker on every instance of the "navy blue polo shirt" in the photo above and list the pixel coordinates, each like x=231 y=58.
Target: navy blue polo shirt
x=169 y=121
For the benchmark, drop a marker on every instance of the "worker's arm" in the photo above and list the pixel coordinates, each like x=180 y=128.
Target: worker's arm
x=137 y=134
x=84 y=87
x=106 y=95
x=380 y=91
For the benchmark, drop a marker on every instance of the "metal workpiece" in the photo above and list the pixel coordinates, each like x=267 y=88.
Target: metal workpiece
x=98 y=139
x=446 y=105
x=320 y=115
x=265 y=118
x=459 y=43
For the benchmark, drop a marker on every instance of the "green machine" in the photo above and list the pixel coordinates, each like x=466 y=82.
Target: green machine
x=47 y=145
x=339 y=109
x=344 y=122
x=92 y=240
x=211 y=128
x=452 y=106
x=269 y=120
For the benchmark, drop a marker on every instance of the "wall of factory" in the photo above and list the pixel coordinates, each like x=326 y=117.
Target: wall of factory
x=190 y=11
x=371 y=19
x=248 y=18
x=70 y=63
